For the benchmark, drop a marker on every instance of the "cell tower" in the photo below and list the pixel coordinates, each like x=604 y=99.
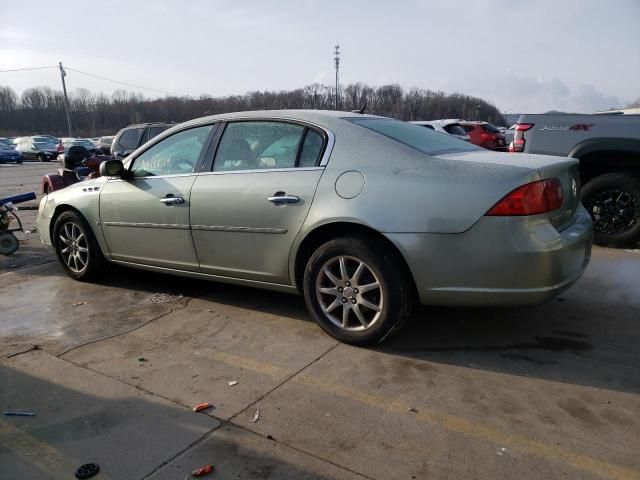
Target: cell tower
x=336 y=59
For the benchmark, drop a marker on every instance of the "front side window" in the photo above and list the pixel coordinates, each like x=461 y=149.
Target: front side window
x=417 y=137
x=258 y=145
x=177 y=154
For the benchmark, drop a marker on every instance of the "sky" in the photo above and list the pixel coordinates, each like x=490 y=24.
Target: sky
x=533 y=56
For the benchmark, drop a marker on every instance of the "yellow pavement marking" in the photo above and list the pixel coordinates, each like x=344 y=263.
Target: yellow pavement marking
x=250 y=364
x=43 y=456
x=449 y=422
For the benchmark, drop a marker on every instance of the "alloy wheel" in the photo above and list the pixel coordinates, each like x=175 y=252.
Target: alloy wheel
x=74 y=248
x=350 y=293
x=614 y=211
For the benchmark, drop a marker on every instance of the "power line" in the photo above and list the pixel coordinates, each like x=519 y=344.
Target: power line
x=25 y=69
x=128 y=84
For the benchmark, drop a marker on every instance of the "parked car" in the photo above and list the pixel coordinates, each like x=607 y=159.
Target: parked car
x=131 y=137
x=450 y=127
x=104 y=144
x=7 y=141
x=485 y=135
x=8 y=153
x=41 y=149
x=608 y=147
x=68 y=142
x=361 y=214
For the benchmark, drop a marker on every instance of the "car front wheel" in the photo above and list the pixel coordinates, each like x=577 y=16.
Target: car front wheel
x=357 y=291
x=76 y=247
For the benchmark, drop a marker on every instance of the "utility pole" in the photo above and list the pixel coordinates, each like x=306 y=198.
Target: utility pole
x=336 y=59
x=66 y=99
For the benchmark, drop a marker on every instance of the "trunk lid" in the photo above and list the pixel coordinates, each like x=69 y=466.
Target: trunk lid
x=547 y=167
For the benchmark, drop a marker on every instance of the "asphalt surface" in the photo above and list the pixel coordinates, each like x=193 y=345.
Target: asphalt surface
x=112 y=371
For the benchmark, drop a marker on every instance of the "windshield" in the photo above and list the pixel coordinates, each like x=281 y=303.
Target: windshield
x=4 y=146
x=415 y=136
x=45 y=145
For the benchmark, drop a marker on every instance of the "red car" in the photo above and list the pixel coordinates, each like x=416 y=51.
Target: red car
x=485 y=135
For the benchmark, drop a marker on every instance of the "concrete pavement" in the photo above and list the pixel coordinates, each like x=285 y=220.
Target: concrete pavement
x=543 y=392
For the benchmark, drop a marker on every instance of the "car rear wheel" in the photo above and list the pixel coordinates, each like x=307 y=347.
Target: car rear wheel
x=357 y=291
x=76 y=247
x=613 y=200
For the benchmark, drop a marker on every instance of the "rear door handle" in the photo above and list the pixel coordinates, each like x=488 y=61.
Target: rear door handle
x=281 y=197
x=168 y=201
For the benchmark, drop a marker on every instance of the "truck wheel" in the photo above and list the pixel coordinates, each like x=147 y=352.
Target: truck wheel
x=613 y=200
x=357 y=291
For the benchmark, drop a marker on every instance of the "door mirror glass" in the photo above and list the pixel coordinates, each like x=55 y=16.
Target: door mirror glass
x=112 y=168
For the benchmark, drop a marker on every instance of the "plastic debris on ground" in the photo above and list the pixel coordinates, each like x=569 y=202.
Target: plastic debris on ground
x=19 y=413
x=256 y=416
x=412 y=409
x=501 y=451
x=87 y=470
x=233 y=382
x=77 y=304
x=201 y=472
x=142 y=359
x=202 y=406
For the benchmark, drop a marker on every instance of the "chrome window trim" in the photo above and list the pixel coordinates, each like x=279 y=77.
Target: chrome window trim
x=132 y=179
x=261 y=170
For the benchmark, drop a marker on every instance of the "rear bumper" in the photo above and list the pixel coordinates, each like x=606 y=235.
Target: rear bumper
x=500 y=261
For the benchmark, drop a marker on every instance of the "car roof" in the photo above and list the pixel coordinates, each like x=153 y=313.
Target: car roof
x=321 y=117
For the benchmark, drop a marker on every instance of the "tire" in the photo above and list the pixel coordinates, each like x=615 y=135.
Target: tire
x=393 y=298
x=613 y=200
x=40 y=157
x=89 y=262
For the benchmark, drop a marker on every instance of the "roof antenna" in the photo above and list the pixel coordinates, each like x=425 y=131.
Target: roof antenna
x=360 y=111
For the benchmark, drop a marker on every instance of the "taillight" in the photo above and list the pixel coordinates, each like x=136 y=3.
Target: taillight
x=517 y=145
x=531 y=199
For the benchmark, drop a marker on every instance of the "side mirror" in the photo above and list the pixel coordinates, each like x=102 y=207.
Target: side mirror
x=112 y=168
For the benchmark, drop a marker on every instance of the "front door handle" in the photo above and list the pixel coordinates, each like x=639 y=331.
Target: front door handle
x=168 y=201
x=281 y=197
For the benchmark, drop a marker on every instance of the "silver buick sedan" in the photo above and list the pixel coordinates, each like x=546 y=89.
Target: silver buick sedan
x=363 y=215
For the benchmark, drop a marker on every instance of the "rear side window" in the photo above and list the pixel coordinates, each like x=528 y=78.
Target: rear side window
x=430 y=127
x=258 y=145
x=155 y=131
x=414 y=136
x=130 y=138
x=468 y=128
x=311 y=149
x=455 y=129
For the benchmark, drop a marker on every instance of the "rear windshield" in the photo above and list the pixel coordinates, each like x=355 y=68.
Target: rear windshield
x=490 y=128
x=415 y=136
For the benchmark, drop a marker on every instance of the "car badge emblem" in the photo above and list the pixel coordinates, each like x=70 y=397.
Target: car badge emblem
x=574 y=187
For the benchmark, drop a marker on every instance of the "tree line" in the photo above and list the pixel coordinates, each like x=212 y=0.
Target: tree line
x=41 y=110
